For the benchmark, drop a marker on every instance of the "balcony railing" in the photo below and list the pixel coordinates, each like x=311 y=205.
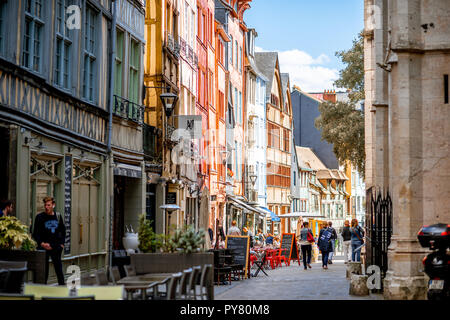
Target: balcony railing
x=128 y=110
x=172 y=44
x=187 y=53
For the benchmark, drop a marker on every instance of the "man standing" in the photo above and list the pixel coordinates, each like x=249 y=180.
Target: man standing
x=50 y=233
x=347 y=237
x=6 y=208
x=333 y=241
x=234 y=231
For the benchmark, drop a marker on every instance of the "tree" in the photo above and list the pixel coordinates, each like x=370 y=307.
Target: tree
x=341 y=123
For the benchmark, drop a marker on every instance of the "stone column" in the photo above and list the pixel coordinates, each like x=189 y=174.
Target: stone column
x=403 y=279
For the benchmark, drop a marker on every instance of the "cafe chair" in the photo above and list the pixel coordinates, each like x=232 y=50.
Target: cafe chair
x=15 y=296
x=192 y=284
x=115 y=274
x=91 y=297
x=88 y=279
x=260 y=264
x=154 y=291
x=270 y=258
x=205 y=283
x=280 y=257
x=103 y=292
x=40 y=290
x=12 y=277
x=101 y=278
x=130 y=271
x=182 y=287
x=172 y=287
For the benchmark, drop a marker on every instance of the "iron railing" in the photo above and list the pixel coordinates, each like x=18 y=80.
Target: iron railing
x=172 y=44
x=128 y=110
x=378 y=228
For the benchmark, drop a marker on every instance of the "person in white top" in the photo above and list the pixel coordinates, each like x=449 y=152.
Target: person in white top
x=234 y=231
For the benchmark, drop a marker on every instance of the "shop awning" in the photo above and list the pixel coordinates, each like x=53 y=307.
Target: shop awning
x=126 y=170
x=300 y=214
x=275 y=218
x=170 y=207
x=245 y=206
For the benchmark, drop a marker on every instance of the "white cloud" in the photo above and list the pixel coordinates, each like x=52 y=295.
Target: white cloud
x=309 y=73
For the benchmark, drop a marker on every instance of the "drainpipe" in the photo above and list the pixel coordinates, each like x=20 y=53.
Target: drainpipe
x=110 y=122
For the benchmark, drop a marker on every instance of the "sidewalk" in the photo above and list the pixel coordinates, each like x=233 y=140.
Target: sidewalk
x=294 y=283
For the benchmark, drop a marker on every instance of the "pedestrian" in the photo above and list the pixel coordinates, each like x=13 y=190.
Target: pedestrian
x=50 y=232
x=234 y=230
x=324 y=244
x=357 y=240
x=6 y=208
x=276 y=242
x=333 y=242
x=306 y=241
x=261 y=236
x=269 y=239
x=347 y=237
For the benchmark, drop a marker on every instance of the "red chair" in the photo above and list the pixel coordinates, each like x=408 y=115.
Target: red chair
x=253 y=258
x=271 y=257
x=279 y=257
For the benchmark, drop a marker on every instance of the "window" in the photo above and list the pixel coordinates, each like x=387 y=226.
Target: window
x=273 y=136
x=221 y=52
x=240 y=60
x=135 y=58
x=193 y=32
x=278 y=175
x=240 y=107
x=33 y=34
x=205 y=28
x=211 y=28
x=119 y=64
x=286 y=146
x=221 y=104
x=63 y=46
x=230 y=44
x=2 y=26
x=89 y=63
x=236 y=160
x=237 y=52
x=236 y=106
x=274 y=100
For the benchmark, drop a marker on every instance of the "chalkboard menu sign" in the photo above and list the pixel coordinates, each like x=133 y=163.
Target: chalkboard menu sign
x=289 y=242
x=240 y=245
x=67 y=200
x=171 y=198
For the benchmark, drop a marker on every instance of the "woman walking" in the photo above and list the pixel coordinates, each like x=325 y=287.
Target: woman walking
x=357 y=240
x=325 y=244
x=306 y=241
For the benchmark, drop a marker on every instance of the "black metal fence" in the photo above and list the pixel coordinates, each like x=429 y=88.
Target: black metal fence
x=378 y=228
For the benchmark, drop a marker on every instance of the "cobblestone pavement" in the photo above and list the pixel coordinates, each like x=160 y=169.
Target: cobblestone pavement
x=294 y=283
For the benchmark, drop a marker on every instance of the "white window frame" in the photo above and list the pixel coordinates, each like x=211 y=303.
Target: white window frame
x=35 y=21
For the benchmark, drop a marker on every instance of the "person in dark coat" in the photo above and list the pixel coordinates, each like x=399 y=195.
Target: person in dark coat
x=49 y=232
x=324 y=244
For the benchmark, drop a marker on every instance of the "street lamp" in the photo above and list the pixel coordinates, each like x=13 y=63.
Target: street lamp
x=169 y=208
x=168 y=100
x=253 y=178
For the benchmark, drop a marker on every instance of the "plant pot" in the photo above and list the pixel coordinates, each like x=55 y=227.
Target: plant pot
x=35 y=261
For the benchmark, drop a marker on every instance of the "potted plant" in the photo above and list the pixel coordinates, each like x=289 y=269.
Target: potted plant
x=169 y=253
x=16 y=244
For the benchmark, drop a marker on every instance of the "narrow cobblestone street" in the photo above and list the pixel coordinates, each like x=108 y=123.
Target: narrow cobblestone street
x=294 y=283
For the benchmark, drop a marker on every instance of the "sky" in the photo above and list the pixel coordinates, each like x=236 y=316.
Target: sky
x=307 y=33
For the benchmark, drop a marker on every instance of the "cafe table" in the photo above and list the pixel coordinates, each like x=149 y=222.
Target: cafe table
x=141 y=282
